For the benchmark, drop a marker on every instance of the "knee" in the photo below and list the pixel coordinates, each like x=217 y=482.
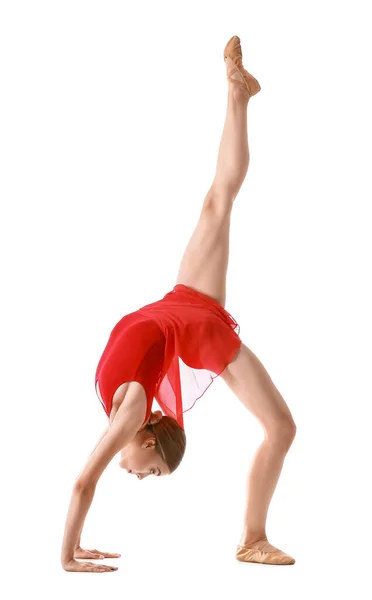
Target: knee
x=218 y=202
x=282 y=433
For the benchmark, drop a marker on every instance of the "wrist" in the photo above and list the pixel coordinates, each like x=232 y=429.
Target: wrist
x=65 y=559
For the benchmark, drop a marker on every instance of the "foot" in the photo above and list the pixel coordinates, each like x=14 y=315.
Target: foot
x=263 y=552
x=239 y=77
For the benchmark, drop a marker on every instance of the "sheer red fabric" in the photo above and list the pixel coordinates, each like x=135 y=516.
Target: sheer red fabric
x=175 y=347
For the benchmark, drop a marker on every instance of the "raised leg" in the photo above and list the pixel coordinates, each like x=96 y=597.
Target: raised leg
x=205 y=260
x=248 y=379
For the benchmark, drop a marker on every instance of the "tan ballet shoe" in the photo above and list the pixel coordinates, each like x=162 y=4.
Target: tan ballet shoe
x=256 y=553
x=246 y=81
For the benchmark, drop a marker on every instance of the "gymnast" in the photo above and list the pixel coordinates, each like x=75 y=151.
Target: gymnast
x=172 y=350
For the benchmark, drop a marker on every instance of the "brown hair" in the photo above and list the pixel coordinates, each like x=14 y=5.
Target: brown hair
x=170 y=438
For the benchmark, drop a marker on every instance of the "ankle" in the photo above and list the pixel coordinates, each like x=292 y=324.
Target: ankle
x=252 y=538
x=238 y=94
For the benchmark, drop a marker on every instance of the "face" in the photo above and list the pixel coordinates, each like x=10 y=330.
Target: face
x=140 y=459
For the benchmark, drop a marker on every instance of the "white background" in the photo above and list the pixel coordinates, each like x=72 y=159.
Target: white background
x=111 y=116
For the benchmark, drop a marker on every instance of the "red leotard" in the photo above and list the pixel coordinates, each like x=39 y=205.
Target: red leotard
x=174 y=347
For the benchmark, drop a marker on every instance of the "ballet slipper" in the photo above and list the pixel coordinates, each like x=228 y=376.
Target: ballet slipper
x=245 y=80
x=256 y=553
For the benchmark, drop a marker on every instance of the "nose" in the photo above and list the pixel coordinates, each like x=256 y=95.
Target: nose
x=140 y=475
x=136 y=474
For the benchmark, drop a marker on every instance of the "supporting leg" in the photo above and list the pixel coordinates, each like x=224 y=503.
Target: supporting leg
x=248 y=379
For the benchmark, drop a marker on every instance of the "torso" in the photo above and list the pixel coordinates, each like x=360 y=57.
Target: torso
x=134 y=353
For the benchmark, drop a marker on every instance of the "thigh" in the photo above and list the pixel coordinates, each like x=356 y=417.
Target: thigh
x=249 y=380
x=205 y=260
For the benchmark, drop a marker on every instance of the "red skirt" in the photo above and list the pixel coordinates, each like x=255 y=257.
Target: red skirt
x=174 y=347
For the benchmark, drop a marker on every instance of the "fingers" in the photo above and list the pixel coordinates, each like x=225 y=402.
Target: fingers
x=99 y=554
x=92 y=567
x=94 y=554
x=87 y=554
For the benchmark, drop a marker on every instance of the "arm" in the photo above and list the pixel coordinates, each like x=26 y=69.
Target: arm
x=96 y=446
x=100 y=439
x=127 y=422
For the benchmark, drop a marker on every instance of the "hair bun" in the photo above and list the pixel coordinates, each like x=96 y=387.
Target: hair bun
x=155 y=417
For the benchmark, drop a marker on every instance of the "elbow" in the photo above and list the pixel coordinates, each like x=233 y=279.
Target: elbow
x=82 y=485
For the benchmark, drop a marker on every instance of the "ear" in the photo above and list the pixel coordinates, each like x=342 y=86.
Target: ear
x=150 y=443
x=155 y=417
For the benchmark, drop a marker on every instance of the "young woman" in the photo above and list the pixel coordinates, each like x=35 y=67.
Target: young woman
x=172 y=350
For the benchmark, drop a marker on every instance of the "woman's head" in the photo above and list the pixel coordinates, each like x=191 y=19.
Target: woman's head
x=157 y=448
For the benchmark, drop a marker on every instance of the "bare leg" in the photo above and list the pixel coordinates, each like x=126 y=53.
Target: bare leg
x=248 y=379
x=204 y=267
x=205 y=260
